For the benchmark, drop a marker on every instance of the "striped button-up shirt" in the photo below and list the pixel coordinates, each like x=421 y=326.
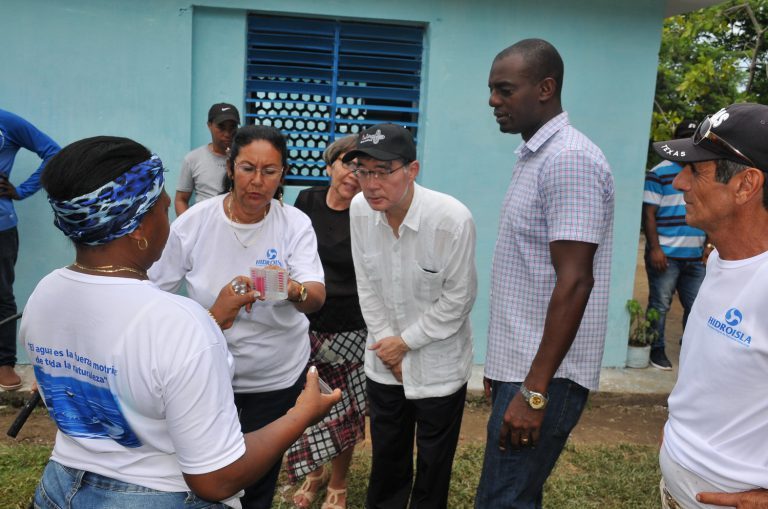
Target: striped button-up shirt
x=561 y=189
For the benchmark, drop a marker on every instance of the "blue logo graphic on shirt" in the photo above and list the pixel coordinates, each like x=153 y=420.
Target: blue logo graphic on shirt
x=272 y=257
x=727 y=327
x=84 y=410
x=733 y=317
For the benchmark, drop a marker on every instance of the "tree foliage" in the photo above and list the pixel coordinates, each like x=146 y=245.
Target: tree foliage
x=708 y=59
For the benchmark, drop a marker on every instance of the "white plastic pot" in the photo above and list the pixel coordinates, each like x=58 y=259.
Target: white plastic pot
x=638 y=356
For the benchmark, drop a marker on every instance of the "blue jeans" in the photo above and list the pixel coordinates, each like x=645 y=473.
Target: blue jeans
x=69 y=488
x=685 y=276
x=514 y=479
x=9 y=250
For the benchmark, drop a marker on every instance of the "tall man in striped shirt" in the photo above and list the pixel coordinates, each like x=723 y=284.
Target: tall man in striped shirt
x=673 y=250
x=549 y=279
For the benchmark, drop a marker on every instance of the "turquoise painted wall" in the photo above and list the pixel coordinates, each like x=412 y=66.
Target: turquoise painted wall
x=150 y=69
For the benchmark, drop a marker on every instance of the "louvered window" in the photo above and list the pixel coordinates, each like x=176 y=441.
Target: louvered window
x=318 y=80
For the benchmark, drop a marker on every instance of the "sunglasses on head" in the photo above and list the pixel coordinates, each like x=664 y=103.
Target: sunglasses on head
x=704 y=132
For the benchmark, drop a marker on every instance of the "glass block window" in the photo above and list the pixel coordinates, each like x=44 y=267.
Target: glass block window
x=321 y=79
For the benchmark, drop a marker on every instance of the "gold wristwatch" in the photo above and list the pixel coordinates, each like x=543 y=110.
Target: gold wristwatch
x=535 y=400
x=302 y=293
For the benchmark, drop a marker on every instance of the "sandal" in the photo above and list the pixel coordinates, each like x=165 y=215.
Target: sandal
x=306 y=493
x=332 y=499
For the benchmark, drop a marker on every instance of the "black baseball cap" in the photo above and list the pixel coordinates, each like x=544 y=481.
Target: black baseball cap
x=738 y=132
x=686 y=128
x=385 y=142
x=221 y=112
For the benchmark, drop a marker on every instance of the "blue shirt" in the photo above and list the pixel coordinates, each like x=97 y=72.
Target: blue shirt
x=676 y=238
x=16 y=133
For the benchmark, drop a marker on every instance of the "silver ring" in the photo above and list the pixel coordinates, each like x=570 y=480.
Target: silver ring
x=239 y=287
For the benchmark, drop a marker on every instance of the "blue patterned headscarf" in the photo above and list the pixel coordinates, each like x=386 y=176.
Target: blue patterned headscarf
x=113 y=210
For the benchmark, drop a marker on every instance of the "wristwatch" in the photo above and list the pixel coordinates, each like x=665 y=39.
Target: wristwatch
x=535 y=400
x=302 y=293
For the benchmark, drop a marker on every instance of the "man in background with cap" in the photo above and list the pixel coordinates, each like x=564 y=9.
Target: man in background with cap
x=549 y=279
x=714 y=449
x=674 y=251
x=414 y=255
x=15 y=134
x=203 y=169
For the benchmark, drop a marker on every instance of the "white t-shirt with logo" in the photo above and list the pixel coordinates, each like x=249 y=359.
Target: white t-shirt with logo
x=138 y=380
x=718 y=410
x=207 y=250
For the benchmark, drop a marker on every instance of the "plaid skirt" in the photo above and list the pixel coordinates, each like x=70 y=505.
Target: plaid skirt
x=339 y=360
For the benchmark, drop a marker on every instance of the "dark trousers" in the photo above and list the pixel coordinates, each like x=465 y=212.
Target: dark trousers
x=256 y=410
x=9 y=251
x=394 y=421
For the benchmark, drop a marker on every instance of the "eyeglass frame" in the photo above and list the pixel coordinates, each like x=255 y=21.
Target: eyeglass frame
x=347 y=166
x=278 y=173
x=717 y=140
x=381 y=174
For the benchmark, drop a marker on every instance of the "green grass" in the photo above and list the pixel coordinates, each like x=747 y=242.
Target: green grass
x=615 y=476
x=20 y=468
x=608 y=477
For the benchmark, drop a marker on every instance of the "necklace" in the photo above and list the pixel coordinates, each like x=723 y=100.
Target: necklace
x=234 y=219
x=112 y=269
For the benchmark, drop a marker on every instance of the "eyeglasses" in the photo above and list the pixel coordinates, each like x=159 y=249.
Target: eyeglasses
x=704 y=132
x=347 y=166
x=269 y=172
x=383 y=174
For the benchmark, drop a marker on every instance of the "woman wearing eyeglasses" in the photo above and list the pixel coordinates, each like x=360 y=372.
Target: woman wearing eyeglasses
x=225 y=236
x=337 y=334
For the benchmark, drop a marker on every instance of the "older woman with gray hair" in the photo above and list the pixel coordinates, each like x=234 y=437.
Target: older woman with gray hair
x=337 y=334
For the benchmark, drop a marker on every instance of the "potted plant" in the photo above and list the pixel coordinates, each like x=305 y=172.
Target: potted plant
x=641 y=334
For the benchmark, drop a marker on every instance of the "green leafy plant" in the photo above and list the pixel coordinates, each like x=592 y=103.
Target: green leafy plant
x=641 y=330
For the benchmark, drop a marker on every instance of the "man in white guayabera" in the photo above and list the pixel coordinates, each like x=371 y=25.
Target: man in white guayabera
x=414 y=255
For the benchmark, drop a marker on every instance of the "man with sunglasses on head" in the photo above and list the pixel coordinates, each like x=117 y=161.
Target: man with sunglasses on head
x=674 y=251
x=203 y=169
x=714 y=449
x=414 y=256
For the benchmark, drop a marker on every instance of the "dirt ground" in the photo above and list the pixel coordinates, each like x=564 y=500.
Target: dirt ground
x=637 y=421
x=609 y=418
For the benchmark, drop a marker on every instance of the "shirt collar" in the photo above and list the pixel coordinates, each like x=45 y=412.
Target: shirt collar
x=544 y=133
x=412 y=217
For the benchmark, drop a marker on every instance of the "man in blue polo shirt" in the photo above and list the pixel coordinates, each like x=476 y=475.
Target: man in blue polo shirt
x=673 y=250
x=15 y=133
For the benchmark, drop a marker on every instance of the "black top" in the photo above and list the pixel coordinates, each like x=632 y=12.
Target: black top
x=341 y=311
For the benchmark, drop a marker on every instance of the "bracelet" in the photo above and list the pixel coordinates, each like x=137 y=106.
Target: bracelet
x=213 y=318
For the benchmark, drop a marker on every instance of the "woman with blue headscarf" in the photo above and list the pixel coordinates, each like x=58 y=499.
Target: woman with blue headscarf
x=138 y=380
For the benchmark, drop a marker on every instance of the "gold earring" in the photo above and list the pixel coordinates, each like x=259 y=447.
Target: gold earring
x=145 y=245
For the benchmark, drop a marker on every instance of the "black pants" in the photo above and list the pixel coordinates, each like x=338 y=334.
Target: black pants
x=256 y=410
x=9 y=251
x=394 y=421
